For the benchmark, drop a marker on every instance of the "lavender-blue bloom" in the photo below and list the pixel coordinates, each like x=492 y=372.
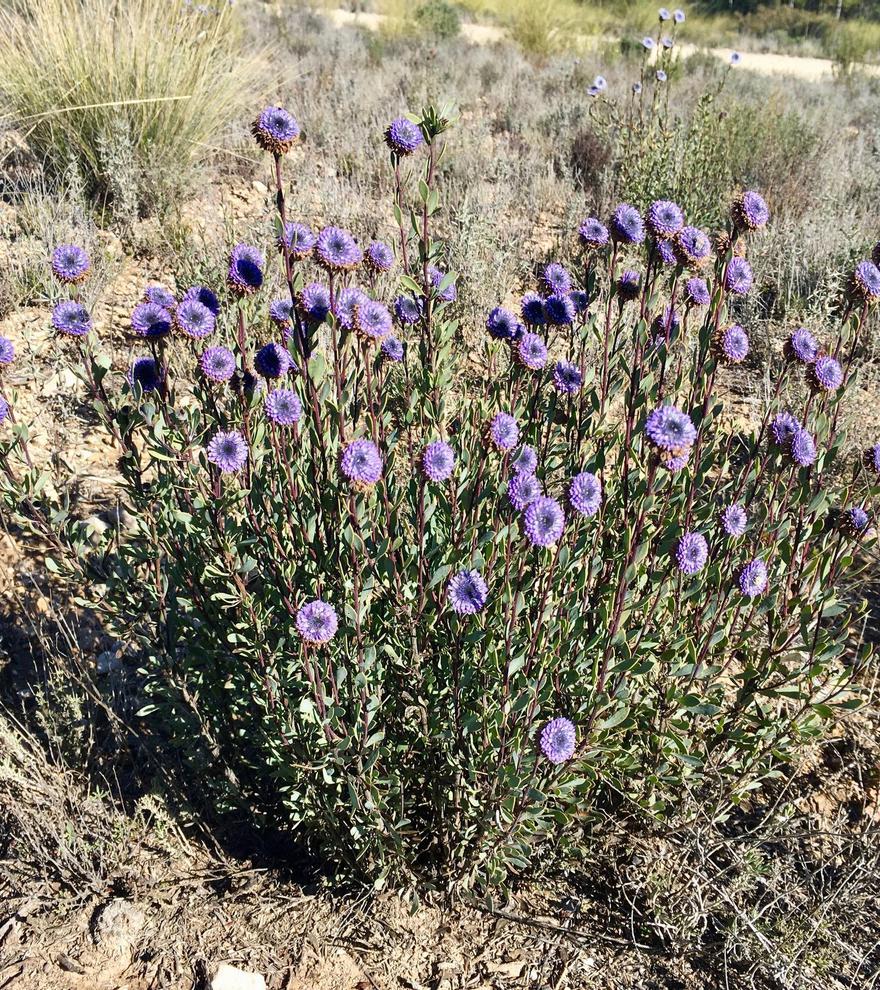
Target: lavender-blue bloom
x=502 y=324
x=691 y=553
x=802 y=448
x=314 y=301
x=749 y=211
x=275 y=130
x=532 y=309
x=70 y=263
x=202 y=294
x=626 y=225
x=666 y=252
x=218 y=363
x=337 y=250
x=556 y=280
x=361 y=463
x=593 y=233
x=403 y=137
x=543 y=522
x=665 y=218
x=732 y=344
x=629 y=285
x=753 y=578
x=194 y=319
x=298 y=239
x=697 y=292
x=347 y=300
x=855 y=521
x=693 y=245
x=5 y=410
x=150 y=320
x=245 y=274
x=559 y=310
x=228 y=450
x=372 y=320
x=866 y=281
x=567 y=378
x=526 y=461
x=392 y=348
x=801 y=346
x=872 y=458
x=734 y=520
x=146 y=373
x=317 y=622
x=379 y=257
x=585 y=493
x=783 y=427
x=522 y=490
x=660 y=75
x=579 y=299
x=449 y=293
x=438 y=460
x=738 y=276
x=407 y=310
x=283 y=406
x=281 y=313
x=670 y=429
x=532 y=351
x=558 y=740
x=7 y=351
x=272 y=361
x=467 y=592
x=159 y=295
x=503 y=431
x=825 y=374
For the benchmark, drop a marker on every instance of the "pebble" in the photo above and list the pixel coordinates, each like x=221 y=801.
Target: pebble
x=227 y=977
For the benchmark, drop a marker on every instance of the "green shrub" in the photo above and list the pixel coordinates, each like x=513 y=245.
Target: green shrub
x=438 y=17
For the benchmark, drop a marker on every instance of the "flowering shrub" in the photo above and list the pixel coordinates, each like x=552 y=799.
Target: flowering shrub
x=431 y=614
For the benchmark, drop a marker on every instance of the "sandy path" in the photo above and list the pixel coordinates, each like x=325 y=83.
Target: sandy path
x=765 y=63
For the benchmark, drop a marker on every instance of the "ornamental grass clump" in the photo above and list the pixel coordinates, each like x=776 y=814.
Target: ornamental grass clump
x=430 y=620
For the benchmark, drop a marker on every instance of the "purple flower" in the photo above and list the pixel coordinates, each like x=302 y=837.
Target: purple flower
x=753 y=578
x=372 y=320
x=449 y=292
x=735 y=58
x=194 y=319
x=663 y=14
x=675 y=462
x=660 y=75
x=697 y=292
x=217 y=363
x=749 y=211
x=556 y=280
x=159 y=295
x=7 y=351
x=866 y=281
x=647 y=43
x=593 y=233
x=667 y=43
x=526 y=461
x=691 y=553
x=503 y=431
x=543 y=522
x=629 y=285
x=678 y=16
x=282 y=406
x=346 y=302
x=855 y=521
x=467 y=592
x=362 y=463
x=281 y=313
x=532 y=351
x=275 y=130
x=693 y=245
x=666 y=252
x=665 y=218
x=579 y=299
x=738 y=276
x=314 y=301
x=146 y=373
x=665 y=324
x=585 y=493
x=734 y=520
x=317 y=622
x=438 y=460
x=150 y=320
x=801 y=346
x=245 y=273
x=732 y=344
x=403 y=137
x=567 y=378
x=407 y=310
x=522 y=490
x=670 y=429
x=626 y=225
x=5 y=410
x=558 y=740
x=825 y=374
x=559 y=310
x=272 y=361
x=337 y=250
x=802 y=448
x=392 y=348
x=228 y=451
x=298 y=239
x=872 y=458
x=532 y=309
x=503 y=325
x=379 y=257
x=205 y=296
x=783 y=427
x=70 y=264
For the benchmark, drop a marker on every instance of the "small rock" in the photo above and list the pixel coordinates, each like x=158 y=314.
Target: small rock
x=116 y=927
x=227 y=977
x=260 y=187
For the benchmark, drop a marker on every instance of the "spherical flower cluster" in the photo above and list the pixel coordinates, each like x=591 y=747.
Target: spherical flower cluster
x=281 y=313
x=526 y=461
x=579 y=299
x=691 y=553
x=314 y=301
x=666 y=252
x=585 y=494
x=543 y=522
x=298 y=239
x=275 y=130
x=228 y=450
x=855 y=521
x=560 y=310
x=438 y=460
x=532 y=309
x=531 y=351
x=866 y=281
x=379 y=257
x=159 y=295
x=783 y=427
x=5 y=410
x=151 y=321
x=218 y=364
x=345 y=304
x=802 y=448
x=146 y=373
x=697 y=292
x=361 y=463
x=283 y=407
x=670 y=430
x=245 y=274
x=392 y=348
x=522 y=490
x=372 y=321
x=749 y=211
x=734 y=520
x=558 y=740
x=693 y=246
x=467 y=592
x=317 y=622
x=753 y=578
x=665 y=219
x=272 y=361
x=664 y=325
x=70 y=264
x=194 y=319
x=567 y=378
x=407 y=310
x=732 y=344
x=872 y=458
x=801 y=346
x=503 y=431
x=629 y=285
x=825 y=374
x=738 y=276
x=203 y=295
x=626 y=225
x=403 y=137
x=448 y=293
x=337 y=250
x=593 y=233
x=503 y=325
x=7 y=351
x=556 y=280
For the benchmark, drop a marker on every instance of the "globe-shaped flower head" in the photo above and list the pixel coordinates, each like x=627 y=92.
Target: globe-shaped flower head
x=281 y=314
x=801 y=346
x=531 y=352
x=217 y=363
x=665 y=219
x=194 y=319
x=626 y=225
x=7 y=351
x=275 y=130
x=5 y=410
x=872 y=458
x=526 y=461
x=503 y=325
x=202 y=294
x=362 y=463
x=379 y=257
x=567 y=378
x=734 y=520
x=629 y=285
x=558 y=740
x=467 y=592
x=403 y=137
x=337 y=250
x=560 y=310
x=298 y=239
x=522 y=490
x=161 y=296
x=317 y=622
x=825 y=374
x=245 y=273
x=855 y=521
x=866 y=281
x=283 y=407
x=783 y=427
x=448 y=293
x=585 y=494
x=753 y=578
x=407 y=309
x=532 y=309
x=543 y=522
x=503 y=432
x=738 y=276
x=146 y=373
x=731 y=344
x=556 y=280
x=438 y=461
x=346 y=302
x=70 y=264
x=228 y=450
x=392 y=348
x=314 y=302
x=593 y=233
x=272 y=361
x=697 y=292
x=670 y=430
x=372 y=320
x=151 y=321
x=691 y=553
x=802 y=448
x=749 y=211
x=693 y=246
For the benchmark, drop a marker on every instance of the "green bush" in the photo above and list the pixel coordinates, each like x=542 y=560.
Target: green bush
x=438 y=17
